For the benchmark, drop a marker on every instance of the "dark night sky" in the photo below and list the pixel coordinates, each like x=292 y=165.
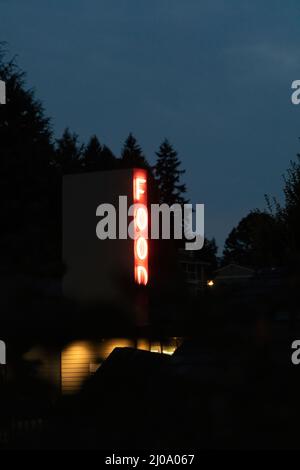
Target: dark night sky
x=213 y=76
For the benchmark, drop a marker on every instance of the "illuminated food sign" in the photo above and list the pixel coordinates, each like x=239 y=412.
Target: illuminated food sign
x=141 y=245
x=101 y=258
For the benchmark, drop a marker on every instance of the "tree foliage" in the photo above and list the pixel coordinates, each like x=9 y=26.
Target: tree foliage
x=167 y=173
x=208 y=254
x=97 y=157
x=69 y=153
x=255 y=242
x=290 y=213
x=27 y=174
x=132 y=155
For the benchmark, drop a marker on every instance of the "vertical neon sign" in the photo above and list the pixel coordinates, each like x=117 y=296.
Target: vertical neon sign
x=141 y=246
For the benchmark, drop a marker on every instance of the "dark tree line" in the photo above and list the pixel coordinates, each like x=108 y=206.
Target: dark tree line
x=29 y=184
x=270 y=238
x=32 y=163
x=71 y=156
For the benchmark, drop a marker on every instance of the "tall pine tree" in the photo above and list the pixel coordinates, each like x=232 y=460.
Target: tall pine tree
x=92 y=154
x=28 y=180
x=97 y=157
x=167 y=174
x=69 y=153
x=132 y=155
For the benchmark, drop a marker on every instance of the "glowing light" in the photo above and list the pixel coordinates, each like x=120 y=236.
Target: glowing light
x=141 y=218
x=75 y=366
x=143 y=344
x=138 y=190
x=142 y=275
x=210 y=283
x=142 y=248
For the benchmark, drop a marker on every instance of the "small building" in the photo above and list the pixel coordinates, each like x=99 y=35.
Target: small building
x=194 y=271
x=233 y=273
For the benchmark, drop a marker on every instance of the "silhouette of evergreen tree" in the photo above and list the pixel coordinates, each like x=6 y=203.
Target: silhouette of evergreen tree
x=132 y=155
x=28 y=179
x=97 y=157
x=109 y=160
x=92 y=154
x=167 y=174
x=69 y=153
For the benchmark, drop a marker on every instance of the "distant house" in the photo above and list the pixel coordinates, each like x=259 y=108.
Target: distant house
x=233 y=273
x=194 y=271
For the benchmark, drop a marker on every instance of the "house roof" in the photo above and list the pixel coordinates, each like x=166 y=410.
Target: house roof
x=237 y=267
x=234 y=271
